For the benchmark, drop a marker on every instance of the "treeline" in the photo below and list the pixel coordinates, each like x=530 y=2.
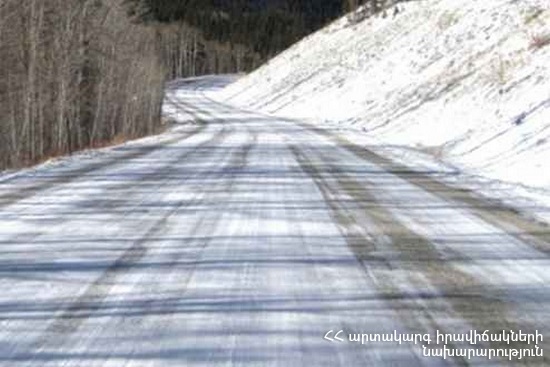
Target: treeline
x=186 y=51
x=219 y=36
x=74 y=74
x=222 y=36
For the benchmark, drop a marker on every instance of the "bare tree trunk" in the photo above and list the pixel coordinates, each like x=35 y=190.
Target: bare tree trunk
x=72 y=74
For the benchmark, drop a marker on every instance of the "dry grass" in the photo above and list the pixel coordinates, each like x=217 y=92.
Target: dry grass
x=502 y=68
x=447 y=20
x=532 y=15
x=539 y=41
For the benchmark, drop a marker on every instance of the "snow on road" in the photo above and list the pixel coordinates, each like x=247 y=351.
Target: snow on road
x=241 y=240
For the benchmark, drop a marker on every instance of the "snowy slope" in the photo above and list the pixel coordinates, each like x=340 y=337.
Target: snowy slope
x=466 y=81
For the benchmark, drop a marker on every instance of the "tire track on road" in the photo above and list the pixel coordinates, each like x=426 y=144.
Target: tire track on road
x=84 y=306
x=530 y=231
x=434 y=287
x=91 y=300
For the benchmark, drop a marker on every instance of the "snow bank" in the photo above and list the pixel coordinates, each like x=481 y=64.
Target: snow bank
x=465 y=81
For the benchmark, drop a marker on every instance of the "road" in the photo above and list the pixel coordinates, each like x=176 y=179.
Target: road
x=242 y=239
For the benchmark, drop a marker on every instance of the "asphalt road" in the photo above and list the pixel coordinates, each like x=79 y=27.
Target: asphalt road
x=242 y=239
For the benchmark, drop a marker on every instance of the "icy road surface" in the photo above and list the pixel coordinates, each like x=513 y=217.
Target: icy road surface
x=242 y=240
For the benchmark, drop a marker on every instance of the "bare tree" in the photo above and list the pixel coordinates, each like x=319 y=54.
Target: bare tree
x=74 y=74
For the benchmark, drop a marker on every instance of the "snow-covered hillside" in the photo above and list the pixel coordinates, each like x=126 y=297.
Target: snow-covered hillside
x=467 y=82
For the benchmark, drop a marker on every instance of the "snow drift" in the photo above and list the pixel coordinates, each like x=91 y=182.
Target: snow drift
x=467 y=82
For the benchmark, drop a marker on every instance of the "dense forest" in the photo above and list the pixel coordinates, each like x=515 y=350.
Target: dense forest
x=217 y=36
x=74 y=74
x=83 y=73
